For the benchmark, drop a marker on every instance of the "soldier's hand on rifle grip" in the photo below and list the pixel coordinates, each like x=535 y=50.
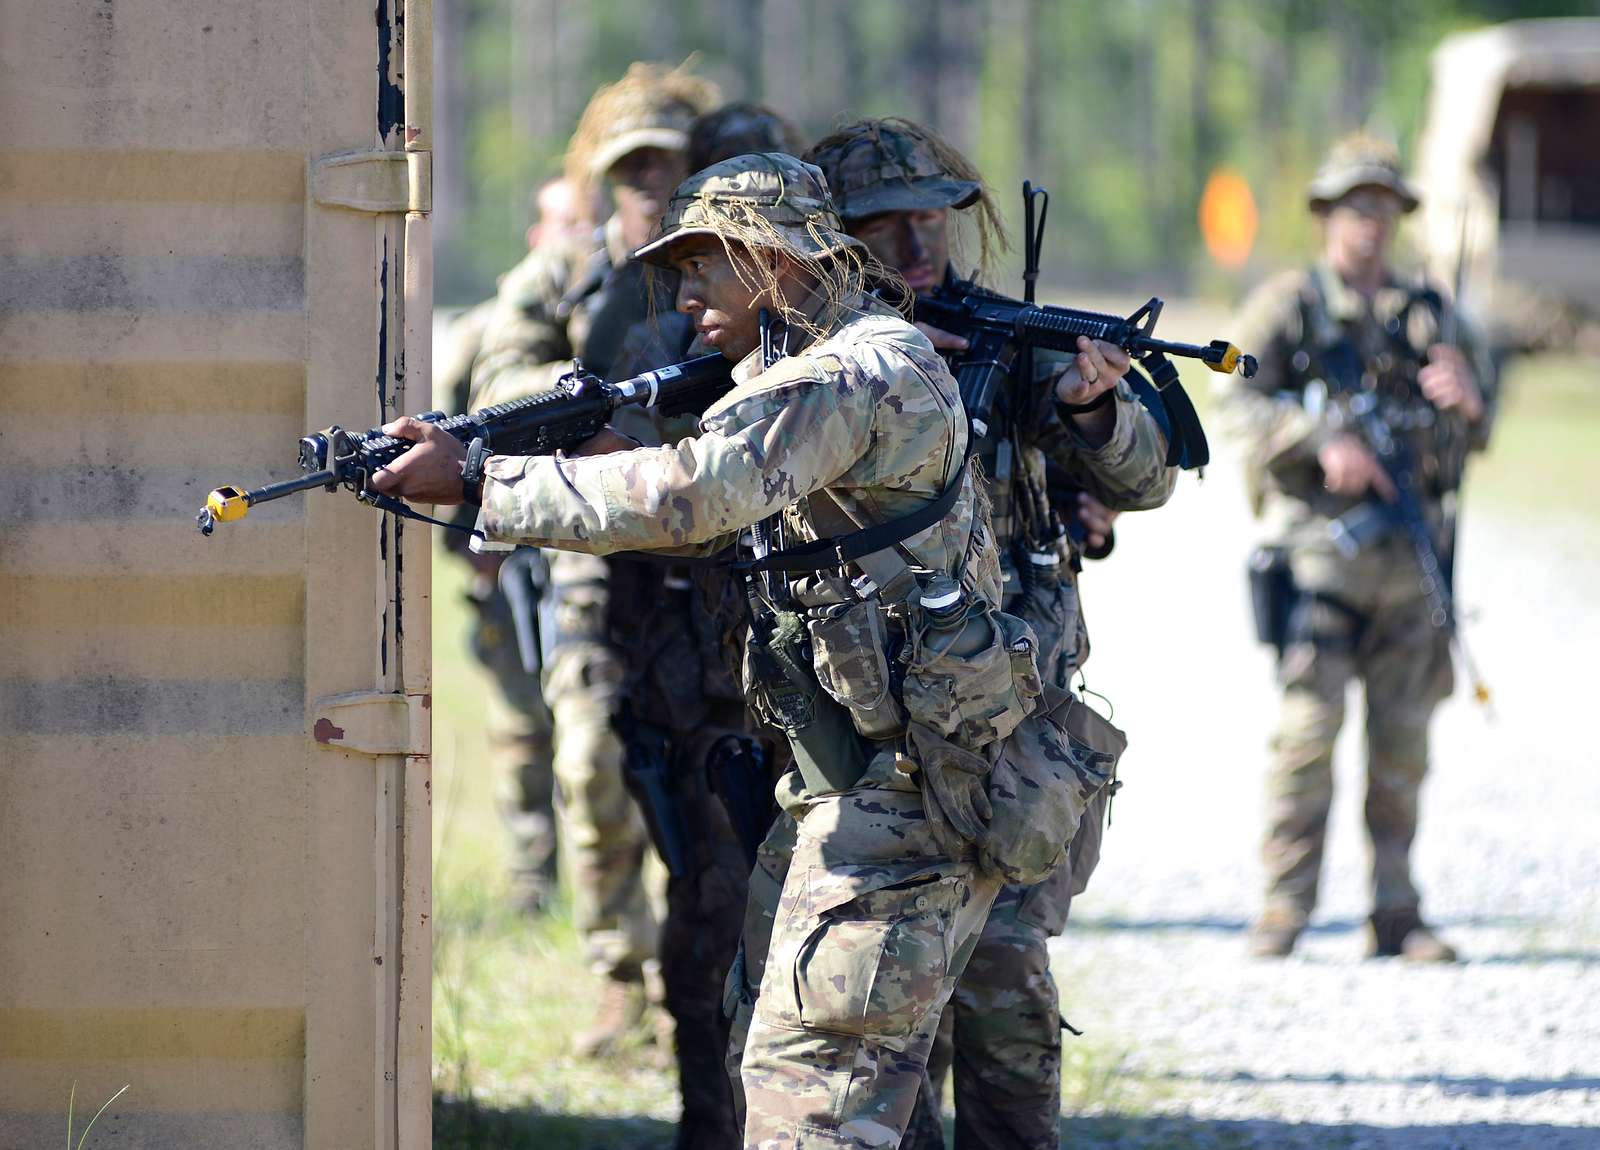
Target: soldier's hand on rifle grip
x=430 y=472
x=942 y=340
x=1350 y=468
x=1097 y=520
x=1448 y=382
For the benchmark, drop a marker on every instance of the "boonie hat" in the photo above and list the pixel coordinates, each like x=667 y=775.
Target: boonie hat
x=762 y=199
x=650 y=107
x=1359 y=161
x=888 y=166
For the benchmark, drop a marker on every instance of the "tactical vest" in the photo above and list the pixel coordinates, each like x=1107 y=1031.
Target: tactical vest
x=1330 y=362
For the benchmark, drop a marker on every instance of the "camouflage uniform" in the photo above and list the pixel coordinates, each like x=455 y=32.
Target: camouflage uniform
x=1002 y=1031
x=1364 y=617
x=566 y=301
x=861 y=915
x=516 y=720
x=551 y=307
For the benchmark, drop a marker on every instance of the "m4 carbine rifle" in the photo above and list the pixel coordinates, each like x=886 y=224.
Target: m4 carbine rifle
x=1372 y=519
x=576 y=408
x=999 y=330
x=1002 y=334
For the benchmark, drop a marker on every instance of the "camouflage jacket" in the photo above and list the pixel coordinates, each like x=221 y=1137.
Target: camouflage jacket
x=1283 y=416
x=563 y=302
x=869 y=412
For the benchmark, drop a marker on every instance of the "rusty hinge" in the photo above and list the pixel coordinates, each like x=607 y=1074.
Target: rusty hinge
x=374 y=723
x=374 y=181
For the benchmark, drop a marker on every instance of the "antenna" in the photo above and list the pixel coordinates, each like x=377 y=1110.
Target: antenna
x=1032 y=236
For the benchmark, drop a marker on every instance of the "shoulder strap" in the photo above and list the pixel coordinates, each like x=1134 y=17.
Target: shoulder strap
x=888 y=570
x=838 y=550
x=1328 y=341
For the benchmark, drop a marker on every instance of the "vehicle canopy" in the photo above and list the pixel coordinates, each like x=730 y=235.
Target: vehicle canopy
x=1507 y=160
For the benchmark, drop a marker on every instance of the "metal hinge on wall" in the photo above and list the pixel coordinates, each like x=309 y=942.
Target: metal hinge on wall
x=375 y=723
x=374 y=181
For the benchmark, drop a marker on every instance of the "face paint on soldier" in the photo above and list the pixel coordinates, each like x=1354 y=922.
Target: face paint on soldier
x=725 y=309
x=915 y=244
x=641 y=184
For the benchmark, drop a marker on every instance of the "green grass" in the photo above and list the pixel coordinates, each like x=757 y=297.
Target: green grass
x=509 y=990
x=1547 y=438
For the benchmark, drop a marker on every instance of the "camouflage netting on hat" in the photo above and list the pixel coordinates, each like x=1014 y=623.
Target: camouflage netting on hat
x=1359 y=160
x=892 y=164
x=652 y=106
x=773 y=201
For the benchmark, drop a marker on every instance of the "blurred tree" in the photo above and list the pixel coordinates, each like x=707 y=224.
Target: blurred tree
x=1121 y=110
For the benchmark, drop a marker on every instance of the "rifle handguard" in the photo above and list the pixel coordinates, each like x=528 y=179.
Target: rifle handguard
x=576 y=409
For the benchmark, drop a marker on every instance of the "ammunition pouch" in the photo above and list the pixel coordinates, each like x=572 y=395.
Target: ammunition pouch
x=1051 y=771
x=849 y=650
x=974 y=687
x=1273 y=595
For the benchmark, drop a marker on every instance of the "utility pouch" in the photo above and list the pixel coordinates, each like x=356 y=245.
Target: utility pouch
x=974 y=684
x=1272 y=595
x=849 y=653
x=1050 y=771
x=1050 y=606
x=784 y=693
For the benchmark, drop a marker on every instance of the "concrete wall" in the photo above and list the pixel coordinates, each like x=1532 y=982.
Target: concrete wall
x=199 y=898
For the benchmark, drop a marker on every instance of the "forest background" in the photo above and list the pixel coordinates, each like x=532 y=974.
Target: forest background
x=1121 y=109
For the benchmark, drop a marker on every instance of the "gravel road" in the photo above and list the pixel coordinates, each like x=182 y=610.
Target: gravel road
x=1329 y=1049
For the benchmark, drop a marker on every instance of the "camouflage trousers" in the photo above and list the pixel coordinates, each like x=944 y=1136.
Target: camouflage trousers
x=517 y=724
x=615 y=896
x=1001 y=1033
x=857 y=929
x=1383 y=638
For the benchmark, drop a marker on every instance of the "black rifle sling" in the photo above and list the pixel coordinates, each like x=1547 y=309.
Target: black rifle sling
x=838 y=550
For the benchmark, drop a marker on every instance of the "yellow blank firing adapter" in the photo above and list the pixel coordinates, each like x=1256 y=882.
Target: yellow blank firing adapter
x=1231 y=359
x=224 y=505
x=227 y=504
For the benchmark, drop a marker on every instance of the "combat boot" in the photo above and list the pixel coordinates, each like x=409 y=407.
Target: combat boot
x=1403 y=934
x=1274 y=934
x=618 y=1015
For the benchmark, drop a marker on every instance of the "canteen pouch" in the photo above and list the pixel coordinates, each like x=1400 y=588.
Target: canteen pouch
x=1048 y=773
x=849 y=652
x=977 y=698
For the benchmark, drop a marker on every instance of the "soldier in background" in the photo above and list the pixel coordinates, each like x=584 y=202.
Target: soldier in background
x=1351 y=324
x=516 y=720
x=571 y=301
x=896 y=184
